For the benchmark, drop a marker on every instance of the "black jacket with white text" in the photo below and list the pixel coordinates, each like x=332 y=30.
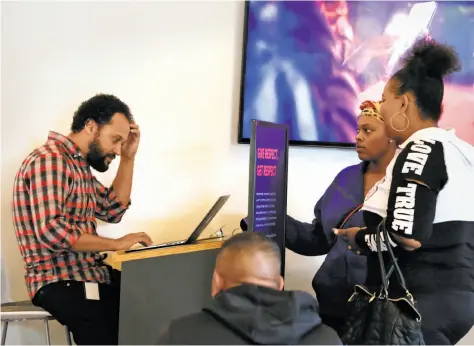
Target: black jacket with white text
x=427 y=195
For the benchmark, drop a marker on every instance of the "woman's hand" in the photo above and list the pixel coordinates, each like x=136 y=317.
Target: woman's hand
x=349 y=235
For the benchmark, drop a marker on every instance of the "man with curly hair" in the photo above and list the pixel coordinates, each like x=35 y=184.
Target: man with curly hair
x=56 y=200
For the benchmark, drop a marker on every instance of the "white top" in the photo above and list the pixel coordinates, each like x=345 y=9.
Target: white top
x=433 y=158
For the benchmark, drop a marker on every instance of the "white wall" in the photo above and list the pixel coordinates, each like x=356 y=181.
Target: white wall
x=177 y=65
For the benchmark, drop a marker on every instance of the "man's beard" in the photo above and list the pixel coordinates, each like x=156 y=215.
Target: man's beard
x=96 y=158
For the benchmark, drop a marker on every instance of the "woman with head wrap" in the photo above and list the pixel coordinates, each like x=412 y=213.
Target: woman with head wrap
x=340 y=204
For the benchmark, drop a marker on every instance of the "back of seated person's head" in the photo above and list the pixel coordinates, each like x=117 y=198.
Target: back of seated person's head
x=247 y=258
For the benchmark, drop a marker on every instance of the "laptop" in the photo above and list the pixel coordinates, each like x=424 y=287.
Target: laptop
x=197 y=232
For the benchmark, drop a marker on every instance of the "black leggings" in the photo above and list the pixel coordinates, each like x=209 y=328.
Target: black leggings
x=446 y=316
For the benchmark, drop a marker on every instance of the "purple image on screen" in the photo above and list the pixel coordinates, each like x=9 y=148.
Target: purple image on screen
x=309 y=64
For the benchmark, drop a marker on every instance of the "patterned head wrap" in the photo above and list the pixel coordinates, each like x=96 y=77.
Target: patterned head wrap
x=371 y=109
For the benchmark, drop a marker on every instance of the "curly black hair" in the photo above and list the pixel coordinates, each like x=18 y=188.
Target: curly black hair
x=424 y=66
x=99 y=108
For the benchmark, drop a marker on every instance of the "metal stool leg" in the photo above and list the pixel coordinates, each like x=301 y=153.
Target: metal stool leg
x=4 y=332
x=68 y=336
x=46 y=326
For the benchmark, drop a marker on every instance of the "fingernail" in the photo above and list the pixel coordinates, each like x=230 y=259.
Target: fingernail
x=349 y=247
x=335 y=230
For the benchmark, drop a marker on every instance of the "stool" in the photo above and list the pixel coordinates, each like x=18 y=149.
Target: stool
x=23 y=311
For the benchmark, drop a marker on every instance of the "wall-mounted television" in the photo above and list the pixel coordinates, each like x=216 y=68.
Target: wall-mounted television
x=309 y=64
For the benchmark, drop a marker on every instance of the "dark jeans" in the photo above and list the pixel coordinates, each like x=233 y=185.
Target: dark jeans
x=446 y=316
x=91 y=322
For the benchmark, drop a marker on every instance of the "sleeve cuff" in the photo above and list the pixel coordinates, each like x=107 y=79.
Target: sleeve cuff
x=366 y=240
x=361 y=242
x=73 y=235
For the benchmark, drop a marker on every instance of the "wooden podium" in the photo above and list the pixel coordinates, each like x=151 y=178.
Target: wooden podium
x=159 y=285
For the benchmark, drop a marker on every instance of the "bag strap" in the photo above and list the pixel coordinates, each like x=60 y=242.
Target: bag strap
x=398 y=271
x=382 y=229
x=355 y=210
x=383 y=272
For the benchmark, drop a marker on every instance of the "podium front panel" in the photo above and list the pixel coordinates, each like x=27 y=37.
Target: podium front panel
x=158 y=289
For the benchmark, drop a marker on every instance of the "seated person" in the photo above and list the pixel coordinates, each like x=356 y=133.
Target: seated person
x=249 y=305
x=56 y=204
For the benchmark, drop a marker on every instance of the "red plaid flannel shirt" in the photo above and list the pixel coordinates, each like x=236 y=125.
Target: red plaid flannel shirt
x=55 y=200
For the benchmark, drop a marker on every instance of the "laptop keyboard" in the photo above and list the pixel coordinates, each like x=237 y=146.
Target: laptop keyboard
x=176 y=242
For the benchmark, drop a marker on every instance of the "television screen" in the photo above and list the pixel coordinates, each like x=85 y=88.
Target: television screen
x=309 y=64
x=268 y=177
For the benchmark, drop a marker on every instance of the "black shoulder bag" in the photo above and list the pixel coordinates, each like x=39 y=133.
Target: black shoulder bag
x=376 y=319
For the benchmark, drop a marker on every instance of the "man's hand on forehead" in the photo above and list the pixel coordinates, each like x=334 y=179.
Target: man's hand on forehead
x=130 y=146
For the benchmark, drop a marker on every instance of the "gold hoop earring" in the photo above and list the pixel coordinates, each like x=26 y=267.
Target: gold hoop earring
x=399 y=130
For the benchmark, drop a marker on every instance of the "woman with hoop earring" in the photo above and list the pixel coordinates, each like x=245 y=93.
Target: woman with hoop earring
x=426 y=199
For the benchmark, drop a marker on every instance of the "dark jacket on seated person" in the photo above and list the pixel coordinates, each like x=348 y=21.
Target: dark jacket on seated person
x=249 y=314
